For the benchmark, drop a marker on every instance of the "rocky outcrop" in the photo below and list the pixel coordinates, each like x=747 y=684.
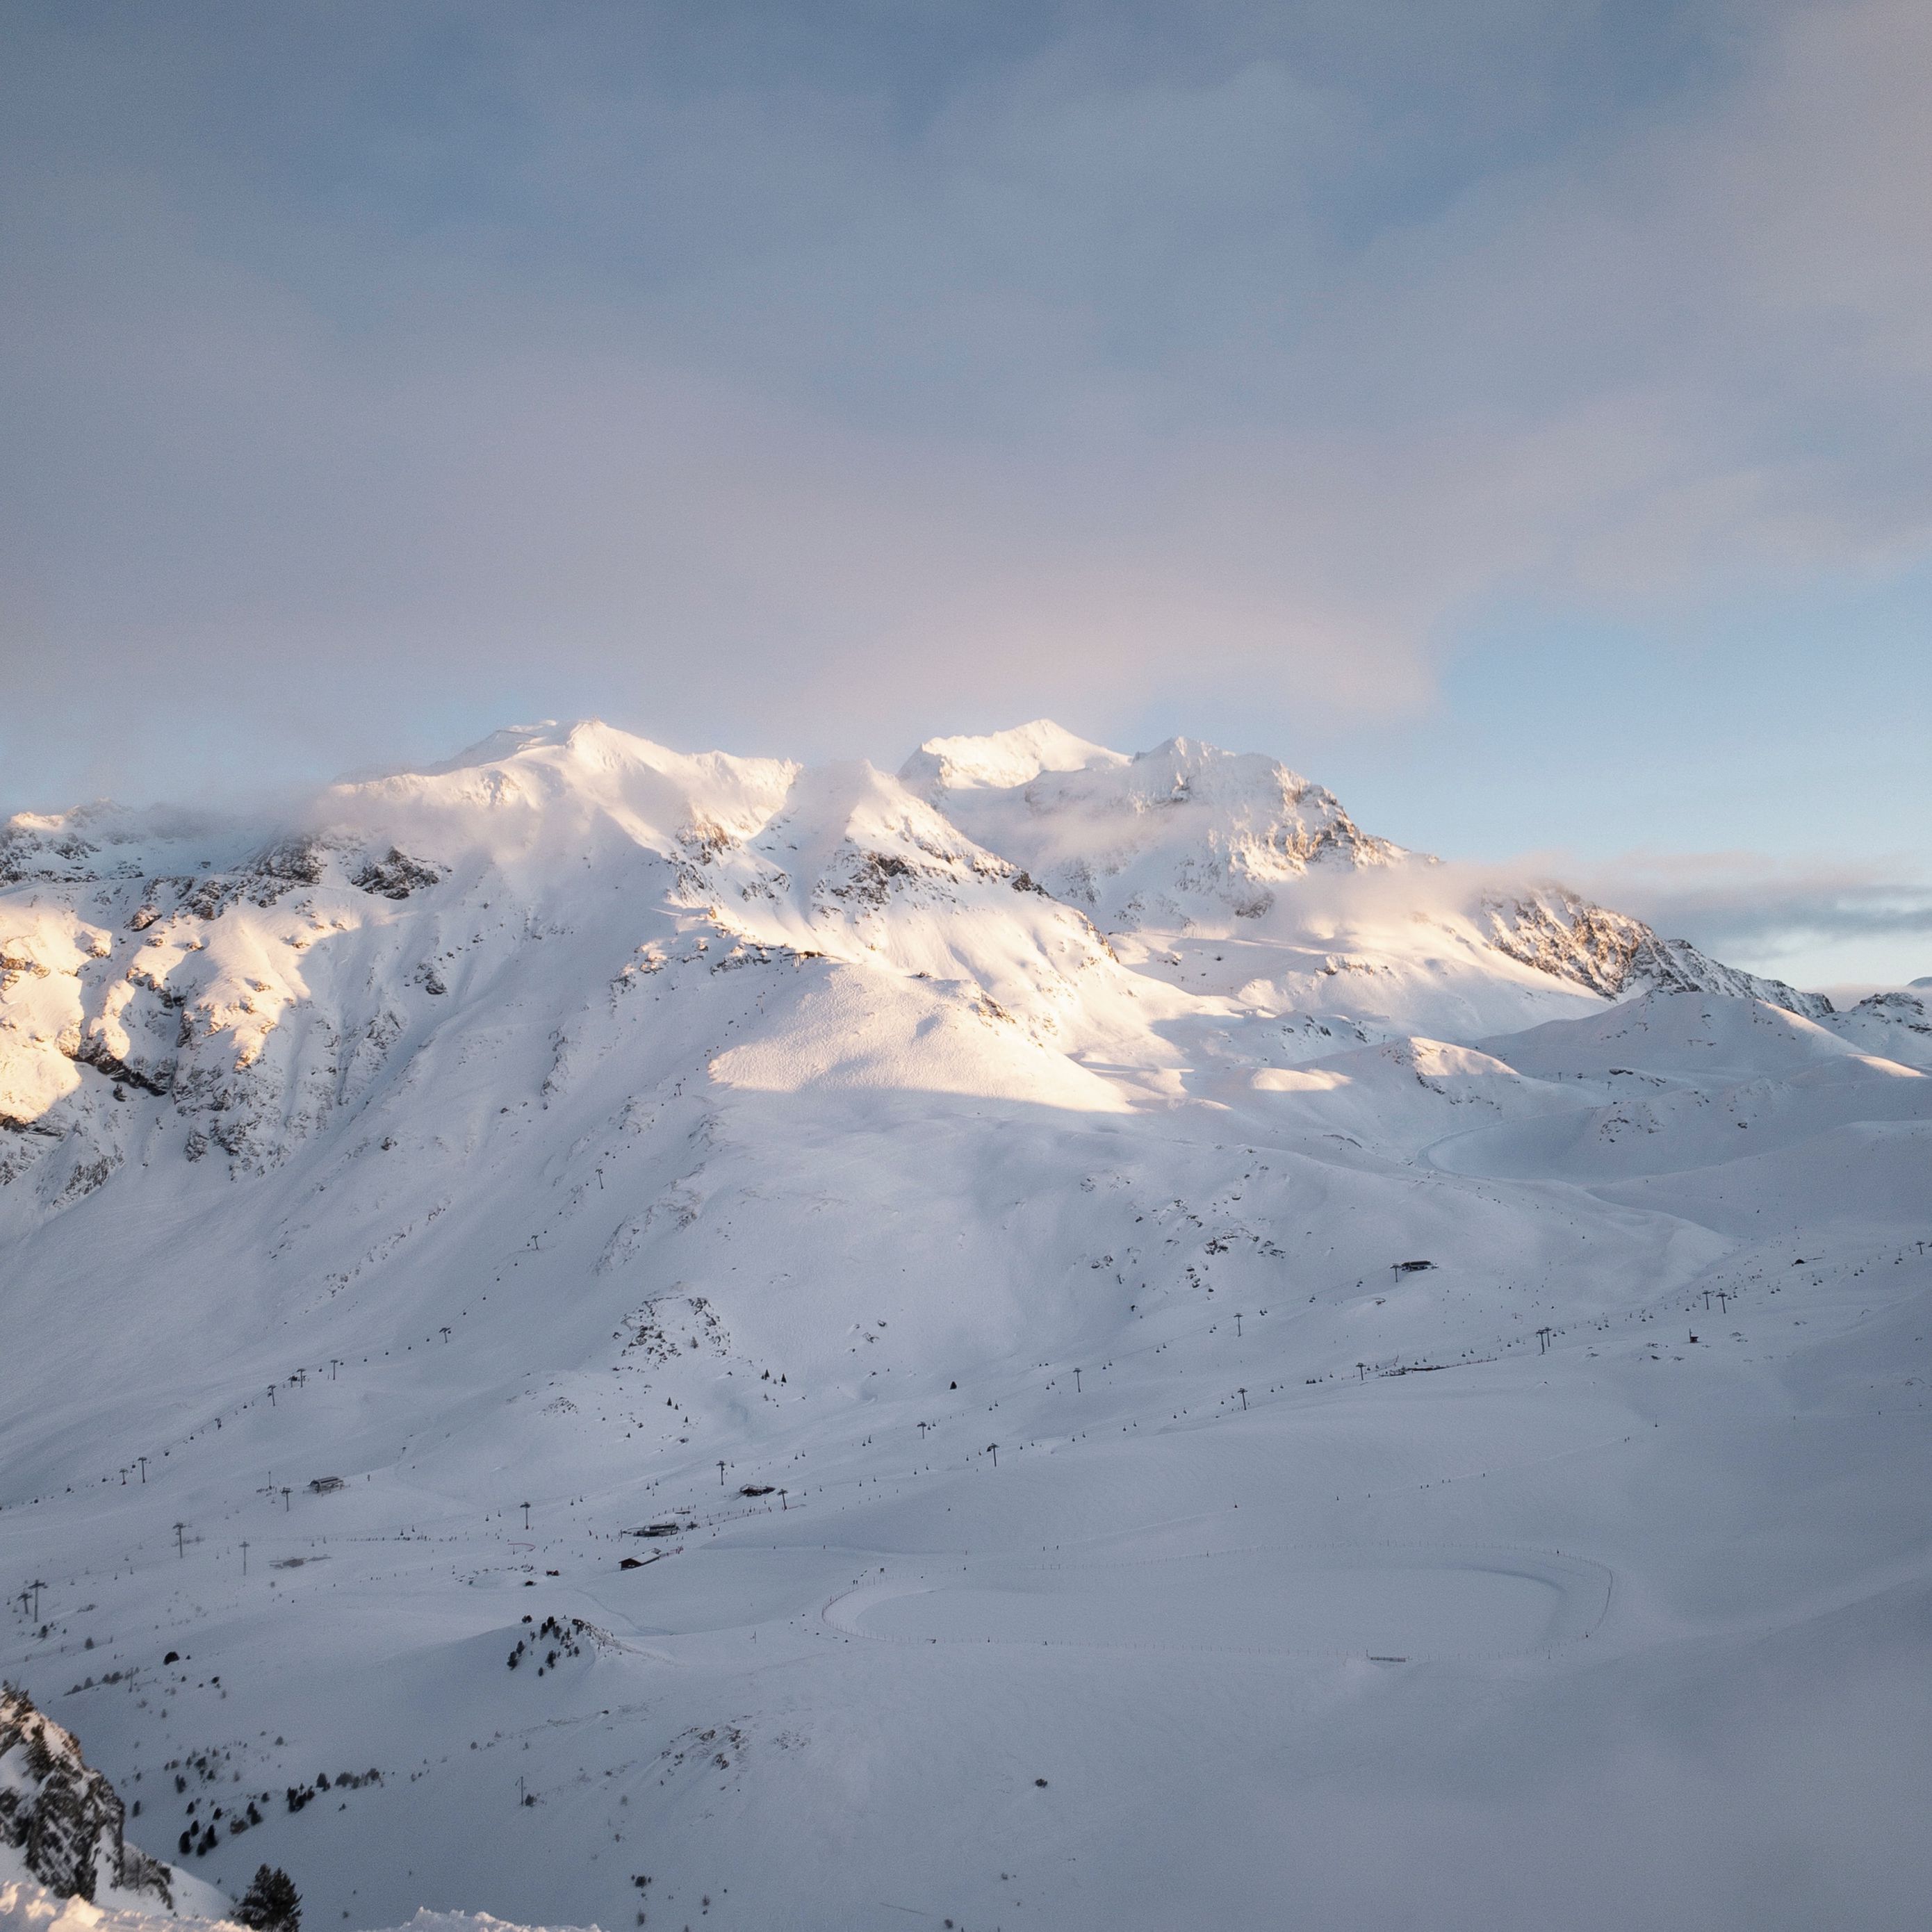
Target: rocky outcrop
x=64 y=1818
x=395 y=875
x=1560 y=933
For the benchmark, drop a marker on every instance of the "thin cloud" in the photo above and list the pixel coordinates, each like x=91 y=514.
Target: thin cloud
x=810 y=392
x=1750 y=905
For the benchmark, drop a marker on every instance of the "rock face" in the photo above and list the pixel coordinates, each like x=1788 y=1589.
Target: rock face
x=1616 y=955
x=65 y=1819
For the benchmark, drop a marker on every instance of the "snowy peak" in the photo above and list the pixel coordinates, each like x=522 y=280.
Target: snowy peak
x=106 y=840
x=551 y=787
x=510 y=742
x=856 y=803
x=1003 y=759
x=1173 y=835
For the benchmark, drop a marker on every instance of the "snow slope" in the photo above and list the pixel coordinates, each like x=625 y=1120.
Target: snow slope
x=977 y=1215
x=27 y=1907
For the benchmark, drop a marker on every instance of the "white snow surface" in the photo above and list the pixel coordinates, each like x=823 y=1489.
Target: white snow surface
x=25 y=1903
x=26 y=1907
x=1005 y=1171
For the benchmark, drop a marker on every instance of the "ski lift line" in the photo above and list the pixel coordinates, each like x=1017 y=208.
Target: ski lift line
x=1131 y=1354
x=1196 y=1331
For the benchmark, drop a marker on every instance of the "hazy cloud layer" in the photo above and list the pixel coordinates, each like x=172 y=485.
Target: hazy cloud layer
x=1807 y=920
x=816 y=379
x=720 y=369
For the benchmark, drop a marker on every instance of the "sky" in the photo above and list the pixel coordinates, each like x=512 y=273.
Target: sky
x=1513 y=415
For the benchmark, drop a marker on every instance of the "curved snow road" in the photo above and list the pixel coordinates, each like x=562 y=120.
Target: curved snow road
x=1391 y=1603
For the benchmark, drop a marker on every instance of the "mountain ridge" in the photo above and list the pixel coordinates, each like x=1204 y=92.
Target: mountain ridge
x=183 y=971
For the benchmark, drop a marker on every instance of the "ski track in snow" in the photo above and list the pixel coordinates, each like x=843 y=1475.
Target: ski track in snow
x=1006 y=1172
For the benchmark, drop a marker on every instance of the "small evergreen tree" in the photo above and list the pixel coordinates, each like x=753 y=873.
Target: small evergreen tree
x=271 y=1903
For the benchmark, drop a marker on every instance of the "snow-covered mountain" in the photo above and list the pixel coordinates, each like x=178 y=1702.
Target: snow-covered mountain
x=259 y=979
x=1146 y=1324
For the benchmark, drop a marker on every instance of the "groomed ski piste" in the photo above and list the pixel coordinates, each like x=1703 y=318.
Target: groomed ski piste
x=1057 y=1340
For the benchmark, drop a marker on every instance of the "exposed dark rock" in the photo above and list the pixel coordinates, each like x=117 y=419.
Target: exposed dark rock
x=396 y=875
x=1616 y=955
x=65 y=1819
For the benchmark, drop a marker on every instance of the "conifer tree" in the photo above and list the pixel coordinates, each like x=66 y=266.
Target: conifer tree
x=271 y=1903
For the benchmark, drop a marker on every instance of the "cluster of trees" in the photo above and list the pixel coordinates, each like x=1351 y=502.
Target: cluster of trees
x=299 y=1795
x=566 y=1644
x=238 y=1823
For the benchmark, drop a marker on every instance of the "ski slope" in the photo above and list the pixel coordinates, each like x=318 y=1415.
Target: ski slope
x=967 y=1212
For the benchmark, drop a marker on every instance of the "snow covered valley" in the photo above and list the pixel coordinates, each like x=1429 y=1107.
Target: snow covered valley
x=1055 y=1339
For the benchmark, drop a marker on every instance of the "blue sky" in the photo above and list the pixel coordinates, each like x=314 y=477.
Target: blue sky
x=1513 y=415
